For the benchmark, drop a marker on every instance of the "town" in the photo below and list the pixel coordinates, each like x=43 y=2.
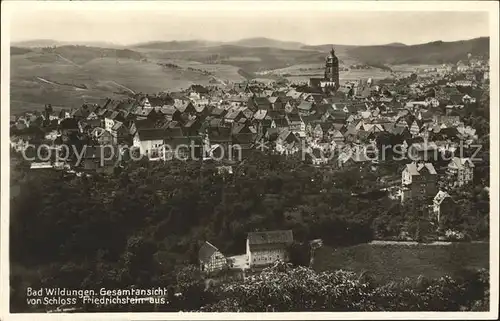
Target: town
x=431 y=116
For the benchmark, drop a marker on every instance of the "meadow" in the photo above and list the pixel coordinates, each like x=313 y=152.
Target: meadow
x=47 y=78
x=397 y=261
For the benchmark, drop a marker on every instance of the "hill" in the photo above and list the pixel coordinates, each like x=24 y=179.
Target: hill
x=68 y=76
x=396 y=44
x=437 y=52
x=36 y=43
x=267 y=42
x=196 y=44
x=250 y=59
x=40 y=43
x=19 y=50
x=41 y=78
x=174 y=45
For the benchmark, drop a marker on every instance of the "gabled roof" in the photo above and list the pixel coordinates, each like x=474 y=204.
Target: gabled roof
x=191 y=122
x=117 y=125
x=305 y=105
x=144 y=124
x=415 y=169
x=218 y=111
x=206 y=251
x=270 y=237
x=261 y=102
x=294 y=117
x=237 y=128
x=260 y=114
x=168 y=110
x=151 y=134
x=440 y=197
x=459 y=163
x=273 y=99
x=232 y=114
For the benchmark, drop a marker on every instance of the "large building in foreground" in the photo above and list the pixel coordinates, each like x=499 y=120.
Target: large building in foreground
x=264 y=248
x=330 y=80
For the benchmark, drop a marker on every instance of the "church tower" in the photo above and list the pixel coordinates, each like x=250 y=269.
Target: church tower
x=332 y=69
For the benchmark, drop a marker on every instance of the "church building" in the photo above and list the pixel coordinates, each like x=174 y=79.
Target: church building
x=330 y=81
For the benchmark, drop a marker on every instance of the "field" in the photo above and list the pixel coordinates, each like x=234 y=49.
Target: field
x=42 y=78
x=394 y=261
x=69 y=75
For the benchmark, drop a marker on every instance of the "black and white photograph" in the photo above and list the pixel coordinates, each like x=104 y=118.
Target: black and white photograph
x=160 y=158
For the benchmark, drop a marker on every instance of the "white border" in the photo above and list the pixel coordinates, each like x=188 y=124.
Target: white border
x=7 y=8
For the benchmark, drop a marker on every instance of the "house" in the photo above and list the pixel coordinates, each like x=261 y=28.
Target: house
x=68 y=126
x=218 y=112
x=280 y=123
x=276 y=103
x=109 y=121
x=418 y=181
x=450 y=109
x=119 y=133
x=257 y=103
x=170 y=113
x=432 y=101
x=233 y=115
x=287 y=142
x=296 y=124
x=185 y=107
x=97 y=157
x=211 y=259
x=305 y=107
x=317 y=157
x=465 y=83
x=217 y=142
x=460 y=171
x=192 y=126
x=149 y=141
x=337 y=136
x=264 y=248
x=466 y=99
x=443 y=205
x=103 y=137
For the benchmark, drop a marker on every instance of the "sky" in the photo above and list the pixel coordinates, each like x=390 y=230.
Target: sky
x=127 y=25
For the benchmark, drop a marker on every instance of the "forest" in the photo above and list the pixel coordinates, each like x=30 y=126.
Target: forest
x=146 y=221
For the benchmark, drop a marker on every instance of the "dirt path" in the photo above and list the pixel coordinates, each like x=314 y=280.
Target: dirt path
x=47 y=81
x=120 y=85
x=67 y=60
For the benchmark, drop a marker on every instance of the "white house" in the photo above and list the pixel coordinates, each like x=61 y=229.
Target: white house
x=461 y=170
x=264 y=248
x=149 y=141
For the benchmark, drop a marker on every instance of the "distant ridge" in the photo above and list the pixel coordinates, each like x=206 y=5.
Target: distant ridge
x=41 y=43
x=435 y=52
x=267 y=42
x=194 y=44
x=36 y=43
x=175 y=45
x=396 y=44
